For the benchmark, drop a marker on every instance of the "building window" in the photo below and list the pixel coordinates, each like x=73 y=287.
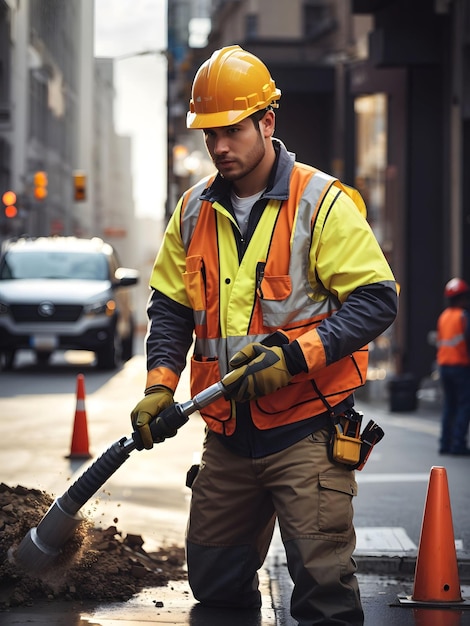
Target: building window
x=371 y=158
x=318 y=19
x=251 y=26
x=371 y=113
x=5 y=64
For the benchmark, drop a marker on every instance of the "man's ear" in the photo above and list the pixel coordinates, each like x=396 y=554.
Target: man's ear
x=268 y=123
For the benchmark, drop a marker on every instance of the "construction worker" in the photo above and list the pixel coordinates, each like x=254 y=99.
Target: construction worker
x=273 y=266
x=453 y=359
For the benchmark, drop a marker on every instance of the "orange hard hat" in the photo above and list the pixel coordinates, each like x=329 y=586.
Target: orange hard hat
x=228 y=87
x=456 y=287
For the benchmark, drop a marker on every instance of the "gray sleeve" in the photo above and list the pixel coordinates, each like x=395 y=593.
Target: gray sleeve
x=367 y=312
x=170 y=333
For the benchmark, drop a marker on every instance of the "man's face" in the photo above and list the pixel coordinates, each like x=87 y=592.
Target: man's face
x=236 y=150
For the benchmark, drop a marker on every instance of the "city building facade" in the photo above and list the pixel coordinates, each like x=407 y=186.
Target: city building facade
x=60 y=154
x=376 y=92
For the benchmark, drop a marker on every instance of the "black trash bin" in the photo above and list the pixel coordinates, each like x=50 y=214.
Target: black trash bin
x=403 y=393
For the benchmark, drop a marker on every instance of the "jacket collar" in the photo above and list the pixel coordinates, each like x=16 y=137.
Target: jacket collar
x=278 y=184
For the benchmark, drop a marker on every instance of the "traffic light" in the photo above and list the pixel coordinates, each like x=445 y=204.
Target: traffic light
x=40 y=185
x=79 y=186
x=9 y=201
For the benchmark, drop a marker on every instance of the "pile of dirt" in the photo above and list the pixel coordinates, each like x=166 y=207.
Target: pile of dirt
x=95 y=564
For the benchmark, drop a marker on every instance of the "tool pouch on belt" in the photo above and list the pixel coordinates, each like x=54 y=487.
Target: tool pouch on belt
x=347 y=444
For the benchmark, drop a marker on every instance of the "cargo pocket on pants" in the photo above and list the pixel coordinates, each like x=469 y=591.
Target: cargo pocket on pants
x=335 y=511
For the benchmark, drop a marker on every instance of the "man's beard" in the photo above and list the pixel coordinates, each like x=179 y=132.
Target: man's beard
x=254 y=158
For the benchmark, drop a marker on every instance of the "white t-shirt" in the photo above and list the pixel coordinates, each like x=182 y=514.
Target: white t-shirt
x=242 y=208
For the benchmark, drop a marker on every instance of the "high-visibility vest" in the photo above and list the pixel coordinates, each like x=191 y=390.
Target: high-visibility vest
x=451 y=343
x=235 y=303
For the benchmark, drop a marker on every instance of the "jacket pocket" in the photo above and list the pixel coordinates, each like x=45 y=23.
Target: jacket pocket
x=194 y=282
x=273 y=293
x=275 y=287
x=335 y=511
x=204 y=373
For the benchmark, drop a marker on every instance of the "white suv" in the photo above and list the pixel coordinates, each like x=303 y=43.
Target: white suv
x=59 y=293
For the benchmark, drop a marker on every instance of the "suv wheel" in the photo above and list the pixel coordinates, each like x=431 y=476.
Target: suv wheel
x=43 y=357
x=127 y=343
x=7 y=358
x=109 y=357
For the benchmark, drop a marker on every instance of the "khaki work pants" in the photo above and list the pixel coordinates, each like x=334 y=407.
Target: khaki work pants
x=234 y=505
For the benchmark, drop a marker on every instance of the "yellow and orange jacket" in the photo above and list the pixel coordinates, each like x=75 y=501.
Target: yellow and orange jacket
x=310 y=267
x=453 y=337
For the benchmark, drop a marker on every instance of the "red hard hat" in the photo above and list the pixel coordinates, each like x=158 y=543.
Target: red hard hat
x=455 y=287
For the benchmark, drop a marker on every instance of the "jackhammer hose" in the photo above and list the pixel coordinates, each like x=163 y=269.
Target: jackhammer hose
x=104 y=467
x=166 y=425
x=43 y=543
x=98 y=473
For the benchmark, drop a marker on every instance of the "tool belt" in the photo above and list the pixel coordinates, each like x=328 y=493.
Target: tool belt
x=347 y=444
x=350 y=446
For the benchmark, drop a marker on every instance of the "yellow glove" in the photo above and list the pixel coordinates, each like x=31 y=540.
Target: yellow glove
x=260 y=370
x=157 y=398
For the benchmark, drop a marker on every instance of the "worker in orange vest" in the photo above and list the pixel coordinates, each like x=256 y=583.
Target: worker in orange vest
x=453 y=358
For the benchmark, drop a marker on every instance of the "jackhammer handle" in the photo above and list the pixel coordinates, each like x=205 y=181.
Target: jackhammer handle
x=173 y=417
x=202 y=399
x=167 y=423
x=219 y=389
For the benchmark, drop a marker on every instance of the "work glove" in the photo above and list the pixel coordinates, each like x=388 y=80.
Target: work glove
x=157 y=398
x=259 y=370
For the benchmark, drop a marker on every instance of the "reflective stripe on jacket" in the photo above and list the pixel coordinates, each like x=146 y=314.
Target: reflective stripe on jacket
x=451 y=337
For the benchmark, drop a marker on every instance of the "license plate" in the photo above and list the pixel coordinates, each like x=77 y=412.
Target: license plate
x=44 y=342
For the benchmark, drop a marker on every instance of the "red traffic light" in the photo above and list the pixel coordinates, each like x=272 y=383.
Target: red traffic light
x=11 y=211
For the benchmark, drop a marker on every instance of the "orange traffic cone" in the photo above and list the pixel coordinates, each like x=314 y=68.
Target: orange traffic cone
x=79 y=447
x=436 y=573
x=436 y=582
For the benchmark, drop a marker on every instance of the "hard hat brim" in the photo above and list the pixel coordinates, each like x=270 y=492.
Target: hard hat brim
x=215 y=120
x=218 y=119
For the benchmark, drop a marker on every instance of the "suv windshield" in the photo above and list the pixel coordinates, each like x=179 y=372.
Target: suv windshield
x=54 y=264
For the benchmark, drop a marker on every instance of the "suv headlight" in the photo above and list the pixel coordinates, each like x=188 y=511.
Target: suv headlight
x=107 y=307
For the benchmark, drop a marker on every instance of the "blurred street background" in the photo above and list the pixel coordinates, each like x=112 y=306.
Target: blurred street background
x=93 y=142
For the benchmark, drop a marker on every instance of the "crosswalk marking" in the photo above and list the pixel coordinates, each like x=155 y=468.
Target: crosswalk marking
x=383 y=539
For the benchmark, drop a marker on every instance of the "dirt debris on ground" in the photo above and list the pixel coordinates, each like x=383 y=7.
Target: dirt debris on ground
x=95 y=564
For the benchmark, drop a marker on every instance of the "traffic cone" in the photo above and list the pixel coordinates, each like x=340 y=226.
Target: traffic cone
x=79 y=446
x=436 y=572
